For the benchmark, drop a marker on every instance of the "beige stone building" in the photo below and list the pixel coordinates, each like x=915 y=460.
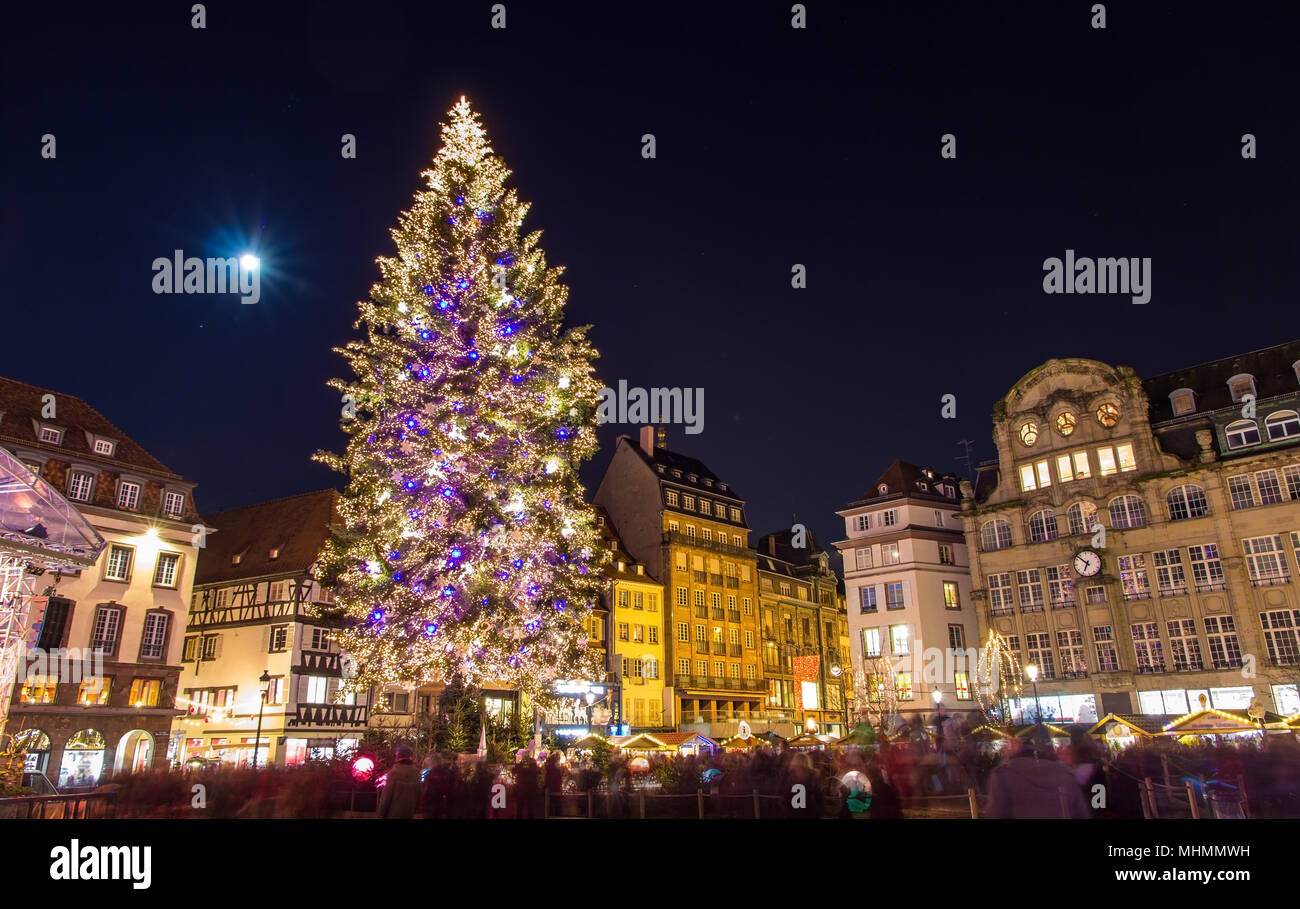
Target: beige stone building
x=1136 y=540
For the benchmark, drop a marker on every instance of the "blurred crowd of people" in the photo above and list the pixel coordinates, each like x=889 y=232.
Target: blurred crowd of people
x=1031 y=777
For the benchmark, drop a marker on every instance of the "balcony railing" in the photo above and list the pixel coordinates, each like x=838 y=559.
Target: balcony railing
x=1074 y=674
x=733 y=615
x=239 y=615
x=1063 y=603
x=715 y=580
x=719 y=648
x=319 y=663
x=1180 y=666
x=717 y=684
x=701 y=612
x=1270 y=582
x=1138 y=595
x=733 y=583
x=1150 y=668
x=1174 y=591
x=1031 y=607
x=676 y=536
x=1002 y=611
x=1211 y=585
x=718 y=613
x=733 y=650
x=1234 y=663
x=701 y=647
x=768 y=634
x=699 y=576
x=330 y=715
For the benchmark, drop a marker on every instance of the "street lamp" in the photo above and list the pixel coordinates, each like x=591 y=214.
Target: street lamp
x=1032 y=671
x=265 y=683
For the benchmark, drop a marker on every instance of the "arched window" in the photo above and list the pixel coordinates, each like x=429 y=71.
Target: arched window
x=882 y=489
x=1127 y=511
x=1042 y=526
x=1082 y=517
x=1242 y=433
x=1187 y=502
x=995 y=535
x=1283 y=424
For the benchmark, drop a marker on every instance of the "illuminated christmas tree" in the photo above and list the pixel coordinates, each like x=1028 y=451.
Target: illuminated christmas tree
x=465 y=549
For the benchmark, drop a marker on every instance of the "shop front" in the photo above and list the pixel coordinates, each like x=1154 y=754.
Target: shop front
x=83 y=760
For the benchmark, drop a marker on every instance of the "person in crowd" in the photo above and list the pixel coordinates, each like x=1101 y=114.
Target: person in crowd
x=401 y=795
x=1033 y=784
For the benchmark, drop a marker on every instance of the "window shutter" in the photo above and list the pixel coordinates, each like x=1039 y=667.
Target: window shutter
x=331 y=688
x=216 y=655
x=907 y=593
x=266 y=639
x=302 y=690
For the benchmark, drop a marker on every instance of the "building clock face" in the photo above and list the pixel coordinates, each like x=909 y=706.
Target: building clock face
x=1087 y=563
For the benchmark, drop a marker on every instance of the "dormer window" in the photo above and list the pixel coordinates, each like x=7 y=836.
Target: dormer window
x=708 y=482
x=693 y=478
x=659 y=467
x=1241 y=385
x=105 y=447
x=924 y=487
x=174 y=504
x=1183 y=401
x=723 y=486
x=274 y=553
x=640 y=569
x=238 y=557
x=622 y=566
x=882 y=489
x=677 y=474
x=1294 y=366
x=51 y=436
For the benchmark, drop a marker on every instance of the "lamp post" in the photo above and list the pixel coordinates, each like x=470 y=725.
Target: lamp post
x=265 y=683
x=1032 y=671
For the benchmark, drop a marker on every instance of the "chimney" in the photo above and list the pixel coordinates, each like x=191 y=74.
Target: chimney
x=771 y=544
x=648 y=440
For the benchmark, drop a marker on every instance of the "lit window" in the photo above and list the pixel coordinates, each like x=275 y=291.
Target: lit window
x=174 y=503
x=672 y=497
x=898 y=639
x=51 y=436
x=1082 y=517
x=128 y=496
x=1065 y=423
x=1127 y=511
x=153 y=641
x=871 y=642
x=1183 y=401
x=1283 y=424
x=995 y=535
x=1106 y=462
x=118 y=565
x=164 y=574
x=1042 y=526
x=1029 y=433
x=688 y=502
x=889 y=554
x=144 y=692
x=1126 y=460
x=1187 y=502
x=79 y=486
x=1242 y=433
x=1027 y=478
x=1241 y=385
x=951 y=595
x=1108 y=415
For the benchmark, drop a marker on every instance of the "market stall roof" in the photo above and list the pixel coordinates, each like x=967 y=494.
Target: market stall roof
x=589 y=741
x=642 y=741
x=809 y=740
x=736 y=743
x=1212 y=721
x=1139 y=724
x=1057 y=732
x=988 y=733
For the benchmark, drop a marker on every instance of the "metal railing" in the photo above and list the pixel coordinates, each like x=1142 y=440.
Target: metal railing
x=65 y=807
x=675 y=536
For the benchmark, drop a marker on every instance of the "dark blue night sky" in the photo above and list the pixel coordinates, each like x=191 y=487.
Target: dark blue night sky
x=775 y=146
